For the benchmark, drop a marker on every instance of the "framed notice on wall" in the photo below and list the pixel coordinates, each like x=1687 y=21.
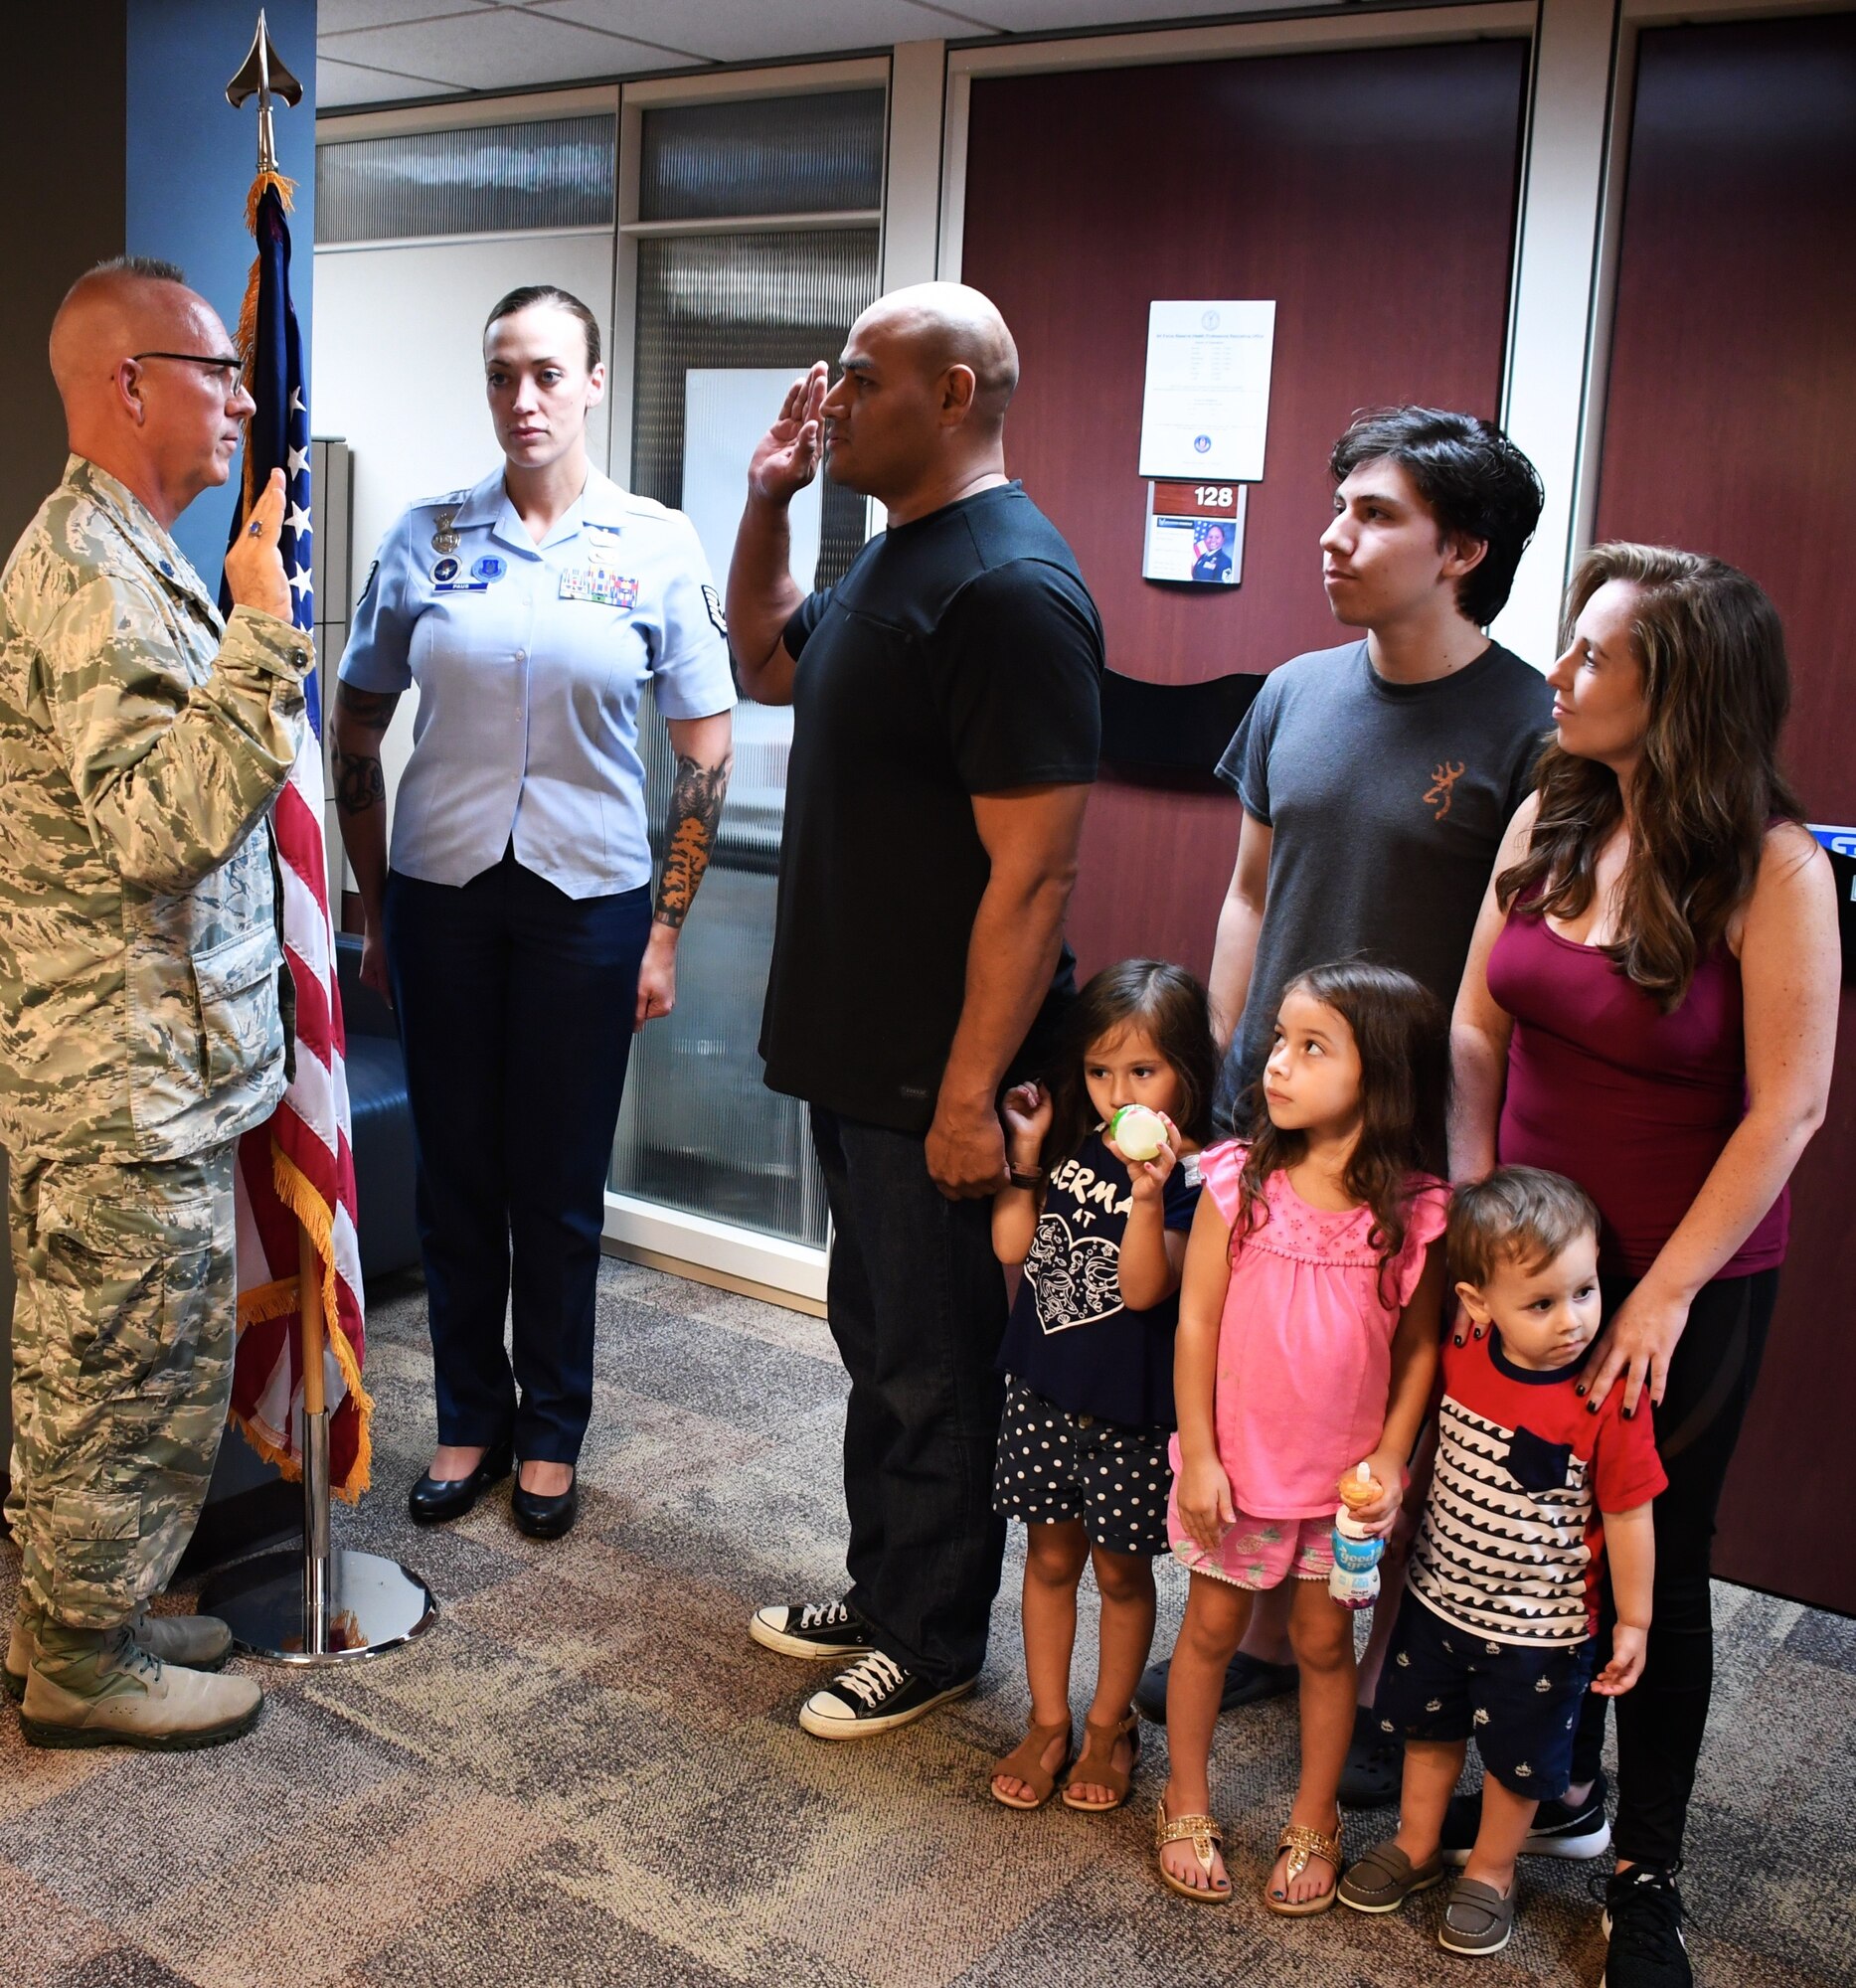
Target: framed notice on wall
x=1195 y=533
x=1204 y=405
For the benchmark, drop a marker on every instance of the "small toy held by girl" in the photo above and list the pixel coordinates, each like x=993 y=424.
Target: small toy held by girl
x=1089 y=1352
x=1307 y=1342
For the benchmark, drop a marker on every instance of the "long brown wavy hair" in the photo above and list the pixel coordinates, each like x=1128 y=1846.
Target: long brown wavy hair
x=1708 y=784
x=1403 y=1037
x=1171 y=1006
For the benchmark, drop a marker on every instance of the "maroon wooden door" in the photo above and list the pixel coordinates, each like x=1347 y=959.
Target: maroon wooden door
x=1372 y=195
x=1731 y=428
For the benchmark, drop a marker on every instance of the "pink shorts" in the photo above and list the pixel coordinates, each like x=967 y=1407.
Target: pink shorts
x=1257 y=1554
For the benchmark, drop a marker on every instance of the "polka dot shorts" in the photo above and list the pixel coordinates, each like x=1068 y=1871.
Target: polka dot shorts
x=1053 y=1465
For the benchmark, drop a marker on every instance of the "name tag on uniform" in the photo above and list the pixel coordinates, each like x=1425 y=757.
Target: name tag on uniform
x=596 y=583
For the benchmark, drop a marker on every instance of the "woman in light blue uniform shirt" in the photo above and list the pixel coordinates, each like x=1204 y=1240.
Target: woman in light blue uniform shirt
x=515 y=929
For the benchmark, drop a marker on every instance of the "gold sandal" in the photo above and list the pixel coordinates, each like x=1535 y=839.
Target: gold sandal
x=1304 y=1845
x=1096 y=1766
x=1025 y=1762
x=1204 y=1835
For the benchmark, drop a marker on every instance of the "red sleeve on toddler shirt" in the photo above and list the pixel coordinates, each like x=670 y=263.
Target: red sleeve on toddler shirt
x=1626 y=1469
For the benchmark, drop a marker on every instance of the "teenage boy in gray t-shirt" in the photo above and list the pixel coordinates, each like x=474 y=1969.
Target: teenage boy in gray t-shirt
x=1376 y=780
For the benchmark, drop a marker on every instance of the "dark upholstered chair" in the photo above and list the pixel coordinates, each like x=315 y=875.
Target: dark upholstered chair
x=382 y=1122
x=1171 y=735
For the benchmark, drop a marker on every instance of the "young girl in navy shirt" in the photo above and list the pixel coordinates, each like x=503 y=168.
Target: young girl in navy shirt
x=1088 y=1351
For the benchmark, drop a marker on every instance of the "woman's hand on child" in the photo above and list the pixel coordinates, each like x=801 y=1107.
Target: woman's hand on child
x=1626 y=1664
x=1205 y=1506
x=1635 y=1349
x=1026 y=1110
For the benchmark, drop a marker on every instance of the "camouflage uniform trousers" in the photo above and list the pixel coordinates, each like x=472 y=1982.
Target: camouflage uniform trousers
x=123 y=1343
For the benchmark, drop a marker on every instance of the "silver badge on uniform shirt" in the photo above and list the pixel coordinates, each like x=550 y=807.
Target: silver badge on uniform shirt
x=444 y=540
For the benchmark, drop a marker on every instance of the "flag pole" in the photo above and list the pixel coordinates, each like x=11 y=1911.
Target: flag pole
x=328 y=1605
x=316 y=1448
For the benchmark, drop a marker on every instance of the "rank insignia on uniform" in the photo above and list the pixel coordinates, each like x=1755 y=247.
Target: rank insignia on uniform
x=489 y=566
x=712 y=601
x=444 y=539
x=446 y=568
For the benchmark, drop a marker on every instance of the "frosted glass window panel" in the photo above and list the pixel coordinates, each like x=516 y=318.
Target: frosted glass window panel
x=700 y=1131
x=493 y=179
x=725 y=411
x=777 y=301
x=807 y=154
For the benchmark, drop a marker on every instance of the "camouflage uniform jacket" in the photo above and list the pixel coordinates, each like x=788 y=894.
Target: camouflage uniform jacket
x=142 y=741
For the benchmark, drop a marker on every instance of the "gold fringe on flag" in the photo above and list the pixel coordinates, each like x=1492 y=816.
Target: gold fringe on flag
x=265 y=1301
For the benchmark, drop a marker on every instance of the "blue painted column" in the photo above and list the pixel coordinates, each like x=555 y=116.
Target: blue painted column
x=190 y=162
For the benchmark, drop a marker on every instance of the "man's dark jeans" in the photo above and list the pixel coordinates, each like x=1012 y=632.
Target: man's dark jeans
x=917 y=1303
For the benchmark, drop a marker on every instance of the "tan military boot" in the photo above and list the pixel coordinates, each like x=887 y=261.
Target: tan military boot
x=201 y=1642
x=19 y=1650
x=100 y=1687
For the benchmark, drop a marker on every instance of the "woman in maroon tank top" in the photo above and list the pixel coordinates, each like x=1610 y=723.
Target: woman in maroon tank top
x=1649 y=1007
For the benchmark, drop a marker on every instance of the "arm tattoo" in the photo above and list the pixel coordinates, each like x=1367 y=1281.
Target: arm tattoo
x=695 y=810
x=371 y=710
x=358 y=782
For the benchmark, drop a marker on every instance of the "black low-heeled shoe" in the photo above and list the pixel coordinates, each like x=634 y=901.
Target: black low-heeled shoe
x=433 y=1500
x=545 y=1518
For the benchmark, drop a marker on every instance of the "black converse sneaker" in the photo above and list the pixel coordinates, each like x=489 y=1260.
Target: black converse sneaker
x=875 y=1694
x=1560 y=1829
x=1643 y=1923
x=810 y=1629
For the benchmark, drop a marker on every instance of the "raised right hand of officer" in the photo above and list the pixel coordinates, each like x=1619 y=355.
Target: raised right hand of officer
x=255 y=574
x=787 y=456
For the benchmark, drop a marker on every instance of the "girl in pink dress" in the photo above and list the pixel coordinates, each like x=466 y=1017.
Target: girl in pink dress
x=1308 y=1327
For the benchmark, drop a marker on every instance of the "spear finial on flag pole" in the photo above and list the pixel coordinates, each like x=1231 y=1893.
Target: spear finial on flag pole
x=263 y=75
x=297 y=1393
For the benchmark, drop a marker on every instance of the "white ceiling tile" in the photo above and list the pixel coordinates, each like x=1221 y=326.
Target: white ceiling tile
x=754 y=30
x=340 y=83
x=336 y=17
x=492 y=48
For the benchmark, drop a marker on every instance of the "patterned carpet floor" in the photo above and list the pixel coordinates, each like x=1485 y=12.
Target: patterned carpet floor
x=586 y=1773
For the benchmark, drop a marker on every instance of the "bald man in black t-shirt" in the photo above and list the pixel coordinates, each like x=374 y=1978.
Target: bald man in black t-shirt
x=947 y=722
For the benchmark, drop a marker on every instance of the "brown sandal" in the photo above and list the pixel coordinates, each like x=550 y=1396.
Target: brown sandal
x=1025 y=1762
x=1096 y=1766
x=1304 y=1845
x=1203 y=1833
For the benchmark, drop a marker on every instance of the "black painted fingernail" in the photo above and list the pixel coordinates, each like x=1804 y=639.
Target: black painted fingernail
x=1459 y=1339
x=1628 y=1412
x=1479 y=1332
x=1579 y=1389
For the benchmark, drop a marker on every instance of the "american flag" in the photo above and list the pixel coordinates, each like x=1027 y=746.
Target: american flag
x=298 y=1168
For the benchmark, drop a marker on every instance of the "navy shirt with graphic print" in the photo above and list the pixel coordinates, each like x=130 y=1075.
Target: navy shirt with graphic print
x=1069 y=1338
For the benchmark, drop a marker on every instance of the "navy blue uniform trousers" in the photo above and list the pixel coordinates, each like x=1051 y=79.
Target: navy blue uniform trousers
x=515 y=1006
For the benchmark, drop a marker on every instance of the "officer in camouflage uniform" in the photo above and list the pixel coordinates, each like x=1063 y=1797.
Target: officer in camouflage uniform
x=142 y=742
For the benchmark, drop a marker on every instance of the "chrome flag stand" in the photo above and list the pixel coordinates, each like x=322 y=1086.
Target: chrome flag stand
x=325 y=1605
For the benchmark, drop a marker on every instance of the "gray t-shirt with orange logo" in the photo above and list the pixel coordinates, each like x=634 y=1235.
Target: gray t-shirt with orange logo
x=1387 y=804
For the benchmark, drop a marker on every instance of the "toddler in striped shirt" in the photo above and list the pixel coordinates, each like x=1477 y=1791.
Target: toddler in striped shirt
x=1495 y=1635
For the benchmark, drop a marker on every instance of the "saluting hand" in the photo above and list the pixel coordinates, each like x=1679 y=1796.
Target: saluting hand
x=787 y=458
x=255 y=574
